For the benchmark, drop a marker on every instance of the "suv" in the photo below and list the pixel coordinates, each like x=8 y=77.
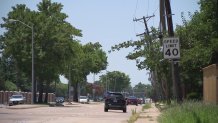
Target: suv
x=115 y=101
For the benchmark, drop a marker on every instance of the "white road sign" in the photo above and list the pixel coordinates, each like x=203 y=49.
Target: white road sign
x=171 y=48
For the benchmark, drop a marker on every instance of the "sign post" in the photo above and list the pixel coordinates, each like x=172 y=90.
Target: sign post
x=171 y=50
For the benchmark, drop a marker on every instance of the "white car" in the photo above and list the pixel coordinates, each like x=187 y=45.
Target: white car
x=16 y=99
x=83 y=99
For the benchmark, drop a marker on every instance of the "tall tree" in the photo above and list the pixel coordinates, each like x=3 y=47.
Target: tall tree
x=199 y=44
x=142 y=90
x=115 y=81
x=53 y=39
x=90 y=58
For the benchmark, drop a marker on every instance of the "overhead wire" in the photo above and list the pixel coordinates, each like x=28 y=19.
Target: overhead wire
x=134 y=16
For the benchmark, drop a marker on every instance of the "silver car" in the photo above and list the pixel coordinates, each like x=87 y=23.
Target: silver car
x=16 y=99
x=83 y=99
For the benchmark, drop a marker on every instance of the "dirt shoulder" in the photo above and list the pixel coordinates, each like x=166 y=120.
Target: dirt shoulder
x=149 y=115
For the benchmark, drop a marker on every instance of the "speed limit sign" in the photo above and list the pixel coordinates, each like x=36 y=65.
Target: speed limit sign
x=171 y=48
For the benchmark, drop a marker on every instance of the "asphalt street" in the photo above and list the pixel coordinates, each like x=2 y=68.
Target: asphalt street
x=73 y=113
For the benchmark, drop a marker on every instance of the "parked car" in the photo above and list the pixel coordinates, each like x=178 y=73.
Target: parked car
x=132 y=100
x=140 y=101
x=16 y=99
x=59 y=99
x=84 y=99
x=114 y=101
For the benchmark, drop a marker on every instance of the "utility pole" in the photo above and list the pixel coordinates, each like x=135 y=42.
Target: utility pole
x=162 y=17
x=175 y=66
x=145 y=23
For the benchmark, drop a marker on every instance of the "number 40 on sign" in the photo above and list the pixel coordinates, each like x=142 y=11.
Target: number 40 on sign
x=171 y=48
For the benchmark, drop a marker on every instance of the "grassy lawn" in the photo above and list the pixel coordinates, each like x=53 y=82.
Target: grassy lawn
x=190 y=112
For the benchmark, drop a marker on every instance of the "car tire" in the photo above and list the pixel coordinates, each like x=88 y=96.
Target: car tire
x=105 y=110
x=124 y=110
x=136 y=104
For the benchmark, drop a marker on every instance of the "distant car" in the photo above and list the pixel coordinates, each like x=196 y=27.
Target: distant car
x=84 y=99
x=16 y=99
x=59 y=99
x=140 y=101
x=132 y=100
x=115 y=101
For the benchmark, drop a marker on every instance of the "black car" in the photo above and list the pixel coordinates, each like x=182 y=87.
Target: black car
x=115 y=101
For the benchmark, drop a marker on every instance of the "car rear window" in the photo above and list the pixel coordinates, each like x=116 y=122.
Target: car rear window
x=17 y=96
x=117 y=95
x=83 y=97
x=132 y=97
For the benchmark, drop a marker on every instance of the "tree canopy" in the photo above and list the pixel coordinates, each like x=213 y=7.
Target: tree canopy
x=56 y=48
x=115 y=81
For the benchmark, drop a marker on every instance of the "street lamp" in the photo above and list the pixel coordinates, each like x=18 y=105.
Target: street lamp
x=33 y=84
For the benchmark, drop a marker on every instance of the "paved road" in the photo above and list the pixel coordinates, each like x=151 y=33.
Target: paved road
x=76 y=113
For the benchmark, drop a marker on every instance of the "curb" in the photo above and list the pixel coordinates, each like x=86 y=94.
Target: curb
x=25 y=106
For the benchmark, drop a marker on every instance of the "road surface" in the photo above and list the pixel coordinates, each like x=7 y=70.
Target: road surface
x=75 y=113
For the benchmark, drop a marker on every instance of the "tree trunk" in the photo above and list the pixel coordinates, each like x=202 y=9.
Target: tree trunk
x=40 y=98
x=75 y=94
x=46 y=92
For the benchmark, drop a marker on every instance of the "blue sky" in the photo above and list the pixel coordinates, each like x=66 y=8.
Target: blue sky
x=110 y=22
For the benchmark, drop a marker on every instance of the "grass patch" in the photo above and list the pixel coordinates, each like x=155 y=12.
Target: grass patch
x=190 y=112
x=134 y=116
x=146 y=106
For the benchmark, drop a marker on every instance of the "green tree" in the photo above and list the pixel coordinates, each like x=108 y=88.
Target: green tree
x=89 y=58
x=115 y=81
x=53 y=39
x=199 y=44
x=148 y=55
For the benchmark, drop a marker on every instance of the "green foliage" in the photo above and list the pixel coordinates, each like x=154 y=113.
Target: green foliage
x=190 y=112
x=141 y=90
x=199 y=36
x=54 y=42
x=198 y=40
x=10 y=86
x=60 y=89
x=96 y=58
x=148 y=55
x=115 y=81
x=193 y=96
x=56 y=50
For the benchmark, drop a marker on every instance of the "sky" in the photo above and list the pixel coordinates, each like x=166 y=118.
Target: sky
x=110 y=22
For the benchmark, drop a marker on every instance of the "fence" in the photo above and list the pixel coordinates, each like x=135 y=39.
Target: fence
x=5 y=95
x=210 y=84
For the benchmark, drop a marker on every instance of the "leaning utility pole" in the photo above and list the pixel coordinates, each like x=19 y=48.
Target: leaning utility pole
x=145 y=23
x=175 y=66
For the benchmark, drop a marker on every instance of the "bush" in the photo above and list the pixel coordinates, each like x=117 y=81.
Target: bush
x=190 y=112
x=193 y=96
